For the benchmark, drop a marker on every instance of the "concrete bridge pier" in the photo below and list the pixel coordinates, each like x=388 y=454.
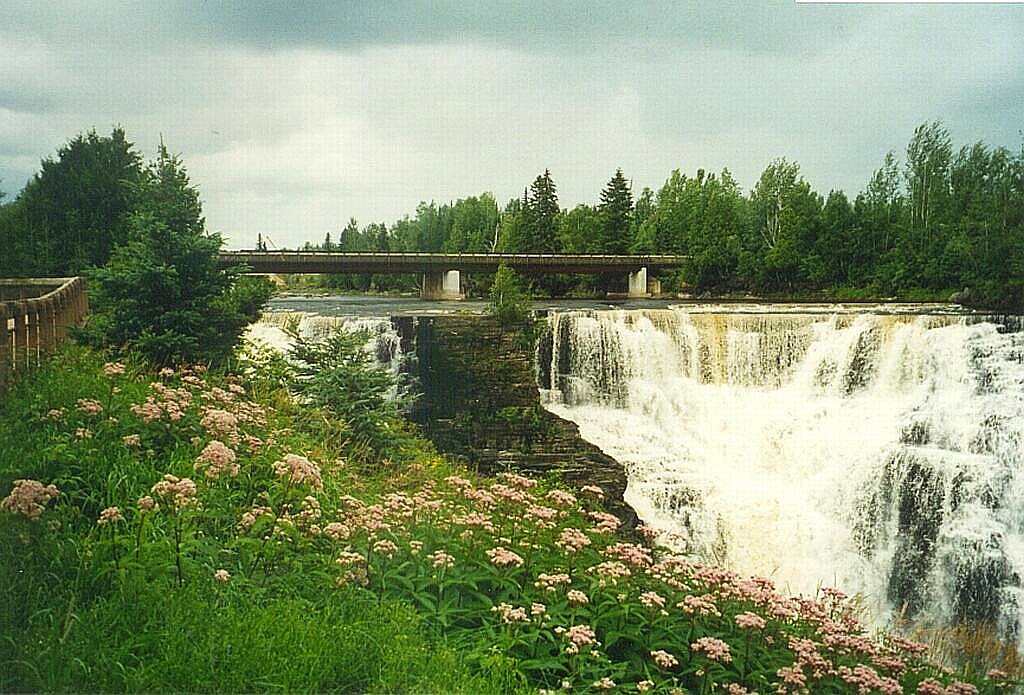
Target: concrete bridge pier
x=638 y=283
x=442 y=285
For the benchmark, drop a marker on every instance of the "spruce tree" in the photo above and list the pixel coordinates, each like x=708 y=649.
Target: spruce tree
x=543 y=203
x=616 y=214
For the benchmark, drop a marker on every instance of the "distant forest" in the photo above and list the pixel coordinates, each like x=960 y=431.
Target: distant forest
x=939 y=220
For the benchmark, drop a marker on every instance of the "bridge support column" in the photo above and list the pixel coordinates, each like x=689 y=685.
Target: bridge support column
x=638 y=283
x=442 y=285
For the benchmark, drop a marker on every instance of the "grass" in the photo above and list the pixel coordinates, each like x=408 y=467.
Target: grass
x=289 y=558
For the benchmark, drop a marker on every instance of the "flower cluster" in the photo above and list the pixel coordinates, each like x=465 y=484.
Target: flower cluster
x=299 y=470
x=217 y=458
x=28 y=498
x=176 y=492
x=110 y=515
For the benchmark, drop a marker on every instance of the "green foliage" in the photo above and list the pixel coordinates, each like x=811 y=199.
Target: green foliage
x=74 y=212
x=161 y=293
x=509 y=302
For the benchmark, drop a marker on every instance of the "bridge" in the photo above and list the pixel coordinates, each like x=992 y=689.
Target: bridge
x=441 y=271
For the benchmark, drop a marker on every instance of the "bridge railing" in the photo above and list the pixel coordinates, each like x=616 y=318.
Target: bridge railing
x=35 y=315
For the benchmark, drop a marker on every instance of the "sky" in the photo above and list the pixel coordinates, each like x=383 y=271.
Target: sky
x=292 y=118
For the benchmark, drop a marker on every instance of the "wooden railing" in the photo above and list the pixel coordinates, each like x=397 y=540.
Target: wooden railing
x=35 y=315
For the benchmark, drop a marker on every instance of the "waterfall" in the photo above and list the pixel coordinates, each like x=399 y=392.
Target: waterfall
x=879 y=453
x=275 y=329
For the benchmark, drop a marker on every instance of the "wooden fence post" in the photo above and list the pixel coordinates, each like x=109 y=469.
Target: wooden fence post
x=5 y=346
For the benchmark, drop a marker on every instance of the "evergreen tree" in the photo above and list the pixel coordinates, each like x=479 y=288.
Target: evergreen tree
x=616 y=212
x=543 y=205
x=162 y=293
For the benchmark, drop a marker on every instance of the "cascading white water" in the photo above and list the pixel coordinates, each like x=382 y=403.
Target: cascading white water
x=881 y=454
x=275 y=329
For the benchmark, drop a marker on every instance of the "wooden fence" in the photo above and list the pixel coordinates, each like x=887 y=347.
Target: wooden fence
x=35 y=315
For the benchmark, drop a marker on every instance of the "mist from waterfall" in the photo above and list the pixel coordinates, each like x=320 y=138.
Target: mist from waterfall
x=878 y=453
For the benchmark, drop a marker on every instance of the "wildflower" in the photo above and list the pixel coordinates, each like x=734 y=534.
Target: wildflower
x=750 y=620
x=577 y=598
x=606 y=523
x=109 y=515
x=415 y=547
x=132 y=440
x=503 y=558
x=83 y=433
x=651 y=599
x=996 y=674
x=299 y=469
x=792 y=675
x=510 y=614
x=89 y=406
x=716 y=649
x=538 y=609
x=517 y=480
x=561 y=497
x=630 y=554
x=611 y=570
x=961 y=688
x=605 y=683
x=441 y=559
x=337 y=531
x=644 y=686
x=456 y=481
x=113 y=369
x=592 y=491
x=664 y=660
x=222 y=576
x=147 y=504
x=550 y=582
x=572 y=540
x=385 y=547
x=217 y=458
x=178 y=492
x=54 y=414
x=28 y=498
x=580 y=636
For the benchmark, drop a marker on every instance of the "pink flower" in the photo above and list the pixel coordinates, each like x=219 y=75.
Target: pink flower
x=716 y=649
x=652 y=599
x=28 y=498
x=178 y=492
x=550 y=582
x=298 y=470
x=750 y=620
x=664 y=660
x=217 y=458
x=606 y=523
x=222 y=576
x=517 y=480
x=441 y=559
x=699 y=605
x=510 y=614
x=54 y=414
x=109 y=515
x=385 y=547
x=336 y=531
x=577 y=598
x=89 y=406
x=580 y=636
x=792 y=675
x=504 y=558
x=561 y=498
x=113 y=369
x=147 y=504
x=572 y=540
x=592 y=491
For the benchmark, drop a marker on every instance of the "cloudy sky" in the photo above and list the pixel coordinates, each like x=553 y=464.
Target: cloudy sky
x=291 y=120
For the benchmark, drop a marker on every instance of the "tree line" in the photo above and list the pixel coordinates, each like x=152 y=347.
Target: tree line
x=937 y=220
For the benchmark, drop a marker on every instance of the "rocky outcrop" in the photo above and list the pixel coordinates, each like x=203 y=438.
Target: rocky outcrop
x=479 y=402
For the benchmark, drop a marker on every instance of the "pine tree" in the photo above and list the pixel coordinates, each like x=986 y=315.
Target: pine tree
x=543 y=203
x=616 y=213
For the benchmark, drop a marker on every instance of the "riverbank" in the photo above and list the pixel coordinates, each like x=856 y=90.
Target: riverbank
x=206 y=533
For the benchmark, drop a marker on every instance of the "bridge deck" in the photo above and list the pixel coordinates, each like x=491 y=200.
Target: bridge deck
x=527 y=263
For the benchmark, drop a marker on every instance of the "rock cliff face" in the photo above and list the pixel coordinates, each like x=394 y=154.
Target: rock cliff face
x=479 y=402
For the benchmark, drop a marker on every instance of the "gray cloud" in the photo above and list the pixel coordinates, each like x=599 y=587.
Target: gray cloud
x=291 y=120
